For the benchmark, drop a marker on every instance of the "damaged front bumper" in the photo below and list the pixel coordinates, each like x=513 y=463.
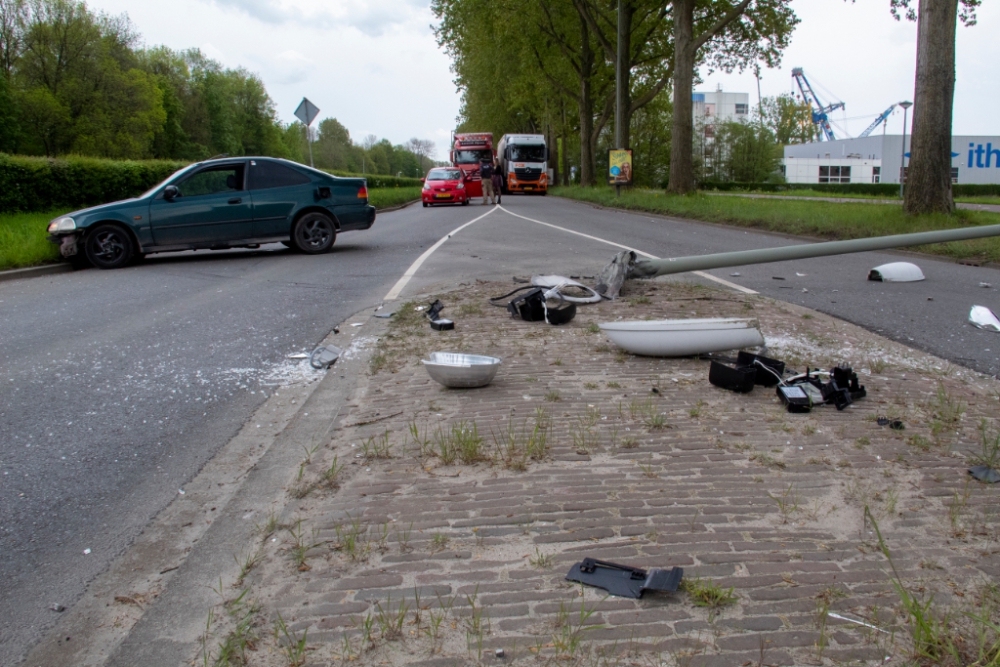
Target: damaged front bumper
x=68 y=243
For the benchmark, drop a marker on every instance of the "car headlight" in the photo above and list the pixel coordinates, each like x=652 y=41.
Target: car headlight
x=460 y=186
x=427 y=186
x=62 y=225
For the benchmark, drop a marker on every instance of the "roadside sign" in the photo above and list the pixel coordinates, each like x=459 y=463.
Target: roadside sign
x=307 y=111
x=619 y=166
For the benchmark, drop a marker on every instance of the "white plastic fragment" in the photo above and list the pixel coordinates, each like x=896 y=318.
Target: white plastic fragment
x=86 y=552
x=982 y=317
x=896 y=272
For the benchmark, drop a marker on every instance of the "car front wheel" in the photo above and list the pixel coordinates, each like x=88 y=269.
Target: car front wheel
x=109 y=247
x=314 y=233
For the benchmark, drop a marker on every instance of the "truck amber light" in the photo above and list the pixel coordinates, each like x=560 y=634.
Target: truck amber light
x=363 y=192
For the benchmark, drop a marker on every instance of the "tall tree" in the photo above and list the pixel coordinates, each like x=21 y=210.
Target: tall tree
x=928 y=179
x=789 y=119
x=732 y=36
x=641 y=59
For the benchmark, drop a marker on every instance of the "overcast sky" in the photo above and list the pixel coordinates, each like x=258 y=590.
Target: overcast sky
x=375 y=66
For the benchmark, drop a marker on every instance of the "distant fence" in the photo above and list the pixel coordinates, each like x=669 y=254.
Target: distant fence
x=876 y=189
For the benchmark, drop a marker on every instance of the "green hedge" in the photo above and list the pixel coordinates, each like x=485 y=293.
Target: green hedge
x=380 y=180
x=29 y=184
x=32 y=184
x=877 y=189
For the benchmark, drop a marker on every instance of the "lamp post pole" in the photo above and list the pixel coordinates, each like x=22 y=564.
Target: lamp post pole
x=902 y=151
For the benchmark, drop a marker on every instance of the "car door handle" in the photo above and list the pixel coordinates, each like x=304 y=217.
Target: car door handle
x=236 y=200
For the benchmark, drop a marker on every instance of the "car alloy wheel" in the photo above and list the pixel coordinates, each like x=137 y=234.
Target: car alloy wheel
x=314 y=233
x=108 y=247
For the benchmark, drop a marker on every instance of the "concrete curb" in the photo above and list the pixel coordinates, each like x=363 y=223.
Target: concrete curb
x=34 y=272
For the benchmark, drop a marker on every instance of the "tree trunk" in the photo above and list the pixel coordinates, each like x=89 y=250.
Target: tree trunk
x=563 y=153
x=928 y=181
x=681 y=180
x=586 y=108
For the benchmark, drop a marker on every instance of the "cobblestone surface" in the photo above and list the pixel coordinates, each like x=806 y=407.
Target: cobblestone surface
x=407 y=560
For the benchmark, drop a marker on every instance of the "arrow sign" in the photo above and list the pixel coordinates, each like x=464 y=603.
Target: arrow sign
x=307 y=111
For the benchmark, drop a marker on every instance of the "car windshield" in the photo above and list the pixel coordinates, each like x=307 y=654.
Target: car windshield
x=444 y=175
x=527 y=153
x=168 y=179
x=473 y=157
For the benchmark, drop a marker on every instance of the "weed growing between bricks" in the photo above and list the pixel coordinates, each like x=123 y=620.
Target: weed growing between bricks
x=448 y=533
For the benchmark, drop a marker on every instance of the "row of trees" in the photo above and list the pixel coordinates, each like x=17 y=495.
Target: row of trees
x=77 y=82
x=551 y=66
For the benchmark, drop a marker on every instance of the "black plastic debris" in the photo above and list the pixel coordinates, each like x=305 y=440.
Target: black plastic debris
x=985 y=474
x=769 y=371
x=623 y=580
x=795 y=398
x=324 y=357
x=438 y=323
x=748 y=369
x=531 y=306
x=803 y=393
x=734 y=378
x=894 y=424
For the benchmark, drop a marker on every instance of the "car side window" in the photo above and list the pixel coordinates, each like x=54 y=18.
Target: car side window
x=213 y=180
x=265 y=174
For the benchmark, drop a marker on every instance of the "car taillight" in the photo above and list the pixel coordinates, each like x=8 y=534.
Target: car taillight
x=363 y=192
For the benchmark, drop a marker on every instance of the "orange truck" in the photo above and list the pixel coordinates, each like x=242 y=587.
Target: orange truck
x=468 y=151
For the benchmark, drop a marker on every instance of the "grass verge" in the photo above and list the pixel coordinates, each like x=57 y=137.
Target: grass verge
x=388 y=197
x=23 y=242
x=820 y=219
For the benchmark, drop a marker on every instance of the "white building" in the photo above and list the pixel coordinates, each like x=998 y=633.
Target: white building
x=876 y=159
x=718 y=107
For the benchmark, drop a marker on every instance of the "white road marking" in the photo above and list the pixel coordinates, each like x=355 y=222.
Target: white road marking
x=707 y=276
x=410 y=272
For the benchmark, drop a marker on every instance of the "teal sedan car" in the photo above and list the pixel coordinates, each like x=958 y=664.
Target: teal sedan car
x=218 y=204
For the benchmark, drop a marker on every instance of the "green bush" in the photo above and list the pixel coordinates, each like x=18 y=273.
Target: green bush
x=875 y=189
x=380 y=180
x=33 y=184
x=29 y=184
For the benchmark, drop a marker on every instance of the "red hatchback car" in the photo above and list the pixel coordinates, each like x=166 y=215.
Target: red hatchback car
x=444 y=185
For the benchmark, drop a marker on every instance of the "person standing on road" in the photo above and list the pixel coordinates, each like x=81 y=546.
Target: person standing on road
x=486 y=174
x=497 y=180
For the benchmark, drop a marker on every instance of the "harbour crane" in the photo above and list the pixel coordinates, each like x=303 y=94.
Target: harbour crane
x=878 y=121
x=819 y=111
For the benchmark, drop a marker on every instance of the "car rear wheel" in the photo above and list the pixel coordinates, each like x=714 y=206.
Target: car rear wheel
x=314 y=234
x=109 y=247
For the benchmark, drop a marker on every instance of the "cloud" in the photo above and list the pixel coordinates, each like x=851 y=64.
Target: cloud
x=371 y=17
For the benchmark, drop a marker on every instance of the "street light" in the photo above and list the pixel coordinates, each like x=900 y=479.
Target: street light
x=902 y=151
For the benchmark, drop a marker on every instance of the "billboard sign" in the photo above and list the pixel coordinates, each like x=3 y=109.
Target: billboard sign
x=619 y=166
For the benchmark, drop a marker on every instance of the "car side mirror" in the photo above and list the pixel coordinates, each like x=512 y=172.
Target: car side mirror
x=170 y=192
x=423 y=180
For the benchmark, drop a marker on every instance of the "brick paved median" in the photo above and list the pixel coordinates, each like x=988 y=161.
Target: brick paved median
x=578 y=449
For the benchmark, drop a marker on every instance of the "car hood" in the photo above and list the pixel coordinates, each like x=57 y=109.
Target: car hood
x=104 y=208
x=443 y=184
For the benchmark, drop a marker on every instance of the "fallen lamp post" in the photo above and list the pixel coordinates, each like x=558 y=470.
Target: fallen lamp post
x=648 y=268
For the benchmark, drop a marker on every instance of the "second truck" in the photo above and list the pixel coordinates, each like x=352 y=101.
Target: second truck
x=524 y=163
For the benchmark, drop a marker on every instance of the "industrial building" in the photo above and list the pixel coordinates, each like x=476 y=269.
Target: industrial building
x=718 y=107
x=877 y=159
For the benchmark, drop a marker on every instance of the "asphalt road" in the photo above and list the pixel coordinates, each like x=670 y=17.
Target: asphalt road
x=119 y=385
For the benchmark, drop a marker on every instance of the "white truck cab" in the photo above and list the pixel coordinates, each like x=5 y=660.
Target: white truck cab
x=524 y=163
